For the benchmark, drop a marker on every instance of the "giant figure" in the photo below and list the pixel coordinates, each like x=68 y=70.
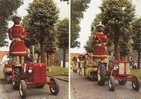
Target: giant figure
x=18 y=50
x=100 y=40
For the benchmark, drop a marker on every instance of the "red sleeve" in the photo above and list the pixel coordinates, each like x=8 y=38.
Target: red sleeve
x=23 y=33
x=105 y=39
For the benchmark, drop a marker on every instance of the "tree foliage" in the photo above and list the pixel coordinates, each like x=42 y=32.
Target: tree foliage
x=77 y=9
x=136 y=26
x=42 y=15
x=63 y=37
x=137 y=33
x=117 y=16
x=7 y=8
x=63 y=34
x=89 y=45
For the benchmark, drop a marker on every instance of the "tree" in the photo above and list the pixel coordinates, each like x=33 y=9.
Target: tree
x=7 y=9
x=64 y=0
x=117 y=16
x=63 y=37
x=43 y=15
x=137 y=37
x=77 y=9
x=89 y=45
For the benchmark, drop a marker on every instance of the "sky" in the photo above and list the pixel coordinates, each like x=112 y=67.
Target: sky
x=88 y=18
x=21 y=11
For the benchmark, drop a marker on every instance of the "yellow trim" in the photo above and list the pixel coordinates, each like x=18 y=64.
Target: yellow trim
x=19 y=52
x=18 y=39
x=100 y=55
x=7 y=69
x=99 y=44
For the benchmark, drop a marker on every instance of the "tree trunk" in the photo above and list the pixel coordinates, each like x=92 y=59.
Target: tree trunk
x=138 y=59
x=43 y=55
x=64 y=58
x=116 y=50
x=47 y=58
x=33 y=52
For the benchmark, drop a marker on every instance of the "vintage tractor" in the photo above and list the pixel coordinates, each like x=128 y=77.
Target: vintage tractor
x=24 y=73
x=32 y=75
x=120 y=70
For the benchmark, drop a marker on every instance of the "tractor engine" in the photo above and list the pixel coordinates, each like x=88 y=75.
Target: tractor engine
x=36 y=72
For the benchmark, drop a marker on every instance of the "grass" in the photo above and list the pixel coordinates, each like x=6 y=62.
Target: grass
x=136 y=72
x=58 y=71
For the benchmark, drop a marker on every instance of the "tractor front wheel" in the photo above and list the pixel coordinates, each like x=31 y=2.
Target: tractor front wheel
x=22 y=89
x=15 y=84
x=136 y=84
x=101 y=80
x=111 y=84
x=54 y=87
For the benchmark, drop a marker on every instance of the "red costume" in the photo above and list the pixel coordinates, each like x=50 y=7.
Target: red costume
x=100 y=50
x=17 y=47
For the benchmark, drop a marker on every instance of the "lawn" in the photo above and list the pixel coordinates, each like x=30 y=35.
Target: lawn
x=58 y=71
x=136 y=72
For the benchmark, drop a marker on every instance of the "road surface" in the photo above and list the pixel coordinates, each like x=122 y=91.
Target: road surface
x=81 y=88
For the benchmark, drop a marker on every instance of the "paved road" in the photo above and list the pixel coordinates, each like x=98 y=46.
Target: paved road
x=81 y=88
x=7 y=92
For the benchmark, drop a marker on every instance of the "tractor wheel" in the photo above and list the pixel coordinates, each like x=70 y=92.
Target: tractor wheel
x=15 y=85
x=111 y=84
x=136 y=84
x=122 y=82
x=101 y=80
x=22 y=89
x=54 y=87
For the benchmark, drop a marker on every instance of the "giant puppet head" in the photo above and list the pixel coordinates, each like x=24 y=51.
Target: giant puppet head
x=100 y=27
x=16 y=20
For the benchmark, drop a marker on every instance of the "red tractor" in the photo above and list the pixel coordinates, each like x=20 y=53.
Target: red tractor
x=32 y=75
x=120 y=70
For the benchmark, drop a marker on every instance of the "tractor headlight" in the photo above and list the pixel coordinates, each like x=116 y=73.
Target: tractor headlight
x=30 y=70
x=116 y=68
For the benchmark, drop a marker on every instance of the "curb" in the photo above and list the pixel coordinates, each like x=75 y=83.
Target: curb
x=59 y=78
